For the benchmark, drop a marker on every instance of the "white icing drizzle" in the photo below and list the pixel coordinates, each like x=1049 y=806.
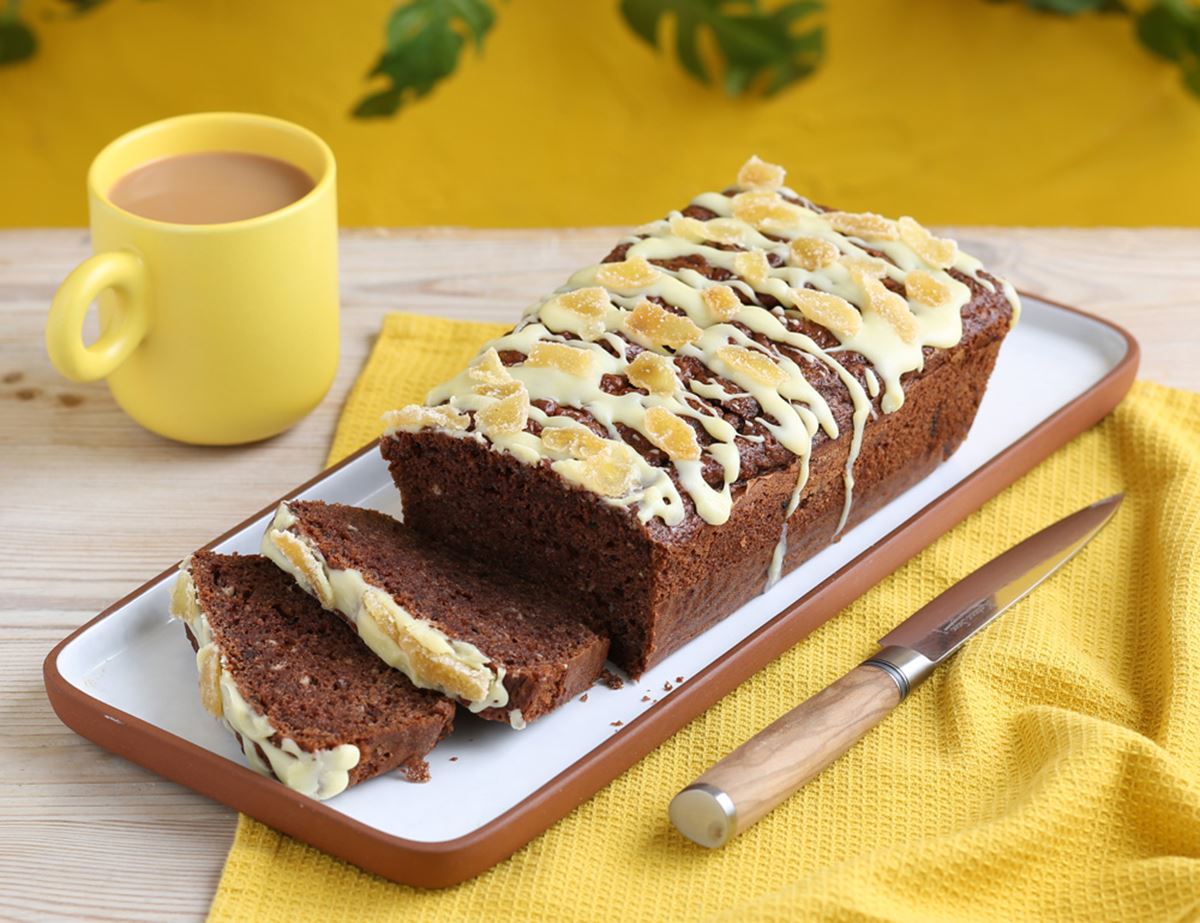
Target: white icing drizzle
x=318 y=774
x=827 y=273
x=429 y=657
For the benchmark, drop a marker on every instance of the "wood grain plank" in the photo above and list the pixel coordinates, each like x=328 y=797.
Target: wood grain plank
x=93 y=505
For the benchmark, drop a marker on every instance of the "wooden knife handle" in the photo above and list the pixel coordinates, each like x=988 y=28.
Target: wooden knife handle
x=773 y=764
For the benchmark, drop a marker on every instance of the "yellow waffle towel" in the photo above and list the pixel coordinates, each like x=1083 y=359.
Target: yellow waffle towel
x=1050 y=771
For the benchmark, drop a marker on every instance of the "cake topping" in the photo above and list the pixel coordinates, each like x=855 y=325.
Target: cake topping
x=654 y=327
x=867 y=225
x=653 y=372
x=573 y=441
x=812 y=253
x=508 y=415
x=749 y=363
x=722 y=302
x=832 y=312
x=924 y=288
x=765 y=211
x=752 y=266
x=415 y=417
x=721 y=296
x=890 y=306
x=611 y=472
x=578 y=362
x=758 y=174
x=627 y=277
x=938 y=252
x=208 y=663
x=672 y=435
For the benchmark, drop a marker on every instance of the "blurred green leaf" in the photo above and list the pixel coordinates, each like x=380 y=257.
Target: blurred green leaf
x=1165 y=29
x=17 y=41
x=753 y=42
x=424 y=39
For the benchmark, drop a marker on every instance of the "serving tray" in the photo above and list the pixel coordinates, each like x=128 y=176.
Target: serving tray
x=127 y=679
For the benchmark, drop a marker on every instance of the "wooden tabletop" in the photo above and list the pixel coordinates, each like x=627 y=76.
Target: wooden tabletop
x=92 y=505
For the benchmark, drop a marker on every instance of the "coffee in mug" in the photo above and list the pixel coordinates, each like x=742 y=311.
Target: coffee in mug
x=210 y=187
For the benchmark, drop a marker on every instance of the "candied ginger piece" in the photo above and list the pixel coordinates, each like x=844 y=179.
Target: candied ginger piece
x=416 y=416
x=653 y=372
x=506 y=416
x=591 y=304
x=611 y=472
x=570 y=359
x=867 y=225
x=724 y=231
x=722 y=302
x=627 y=277
x=208 y=660
x=766 y=211
x=752 y=266
x=669 y=433
x=812 y=253
x=890 y=306
x=499 y=390
x=753 y=364
x=938 y=252
x=758 y=174
x=925 y=288
x=832 y=312
x=652 y=326
x=692 y=229
x=489 y=369
x=576 y=441
x=868 y=265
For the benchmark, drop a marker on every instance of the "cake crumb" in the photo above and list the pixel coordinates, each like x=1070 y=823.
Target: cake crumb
x=616 y=724
x=611 y=680
x=454 y=759
x=645 y=698
x=11 y=378
x=583 y=698
x=679 y=679
x=70 y=400
x=415 y=770
x=667 y=687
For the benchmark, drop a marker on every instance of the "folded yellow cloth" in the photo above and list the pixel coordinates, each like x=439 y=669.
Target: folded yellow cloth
x=1050 y=771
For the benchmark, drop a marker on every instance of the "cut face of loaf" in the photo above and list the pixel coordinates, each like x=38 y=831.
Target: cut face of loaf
x=708 y=406
x=503 y=647
x=306 y=701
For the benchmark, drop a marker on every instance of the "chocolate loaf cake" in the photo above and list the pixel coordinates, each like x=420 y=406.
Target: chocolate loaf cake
x=705 y=408
x=505 y=648
x=307 y=702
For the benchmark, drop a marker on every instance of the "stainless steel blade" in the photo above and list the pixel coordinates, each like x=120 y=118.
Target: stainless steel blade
x=939 y=628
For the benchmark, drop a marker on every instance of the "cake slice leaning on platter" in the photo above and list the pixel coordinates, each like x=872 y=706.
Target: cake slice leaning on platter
x=306 y=701
x=505 y=648
x=709 y=405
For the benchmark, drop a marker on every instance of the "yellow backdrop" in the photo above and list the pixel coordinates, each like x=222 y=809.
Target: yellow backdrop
x=954 y=110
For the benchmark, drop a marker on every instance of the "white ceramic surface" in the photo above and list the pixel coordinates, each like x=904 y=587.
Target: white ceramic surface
x=138 y=661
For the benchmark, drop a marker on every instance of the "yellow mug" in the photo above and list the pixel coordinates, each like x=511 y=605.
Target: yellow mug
x=213 y=334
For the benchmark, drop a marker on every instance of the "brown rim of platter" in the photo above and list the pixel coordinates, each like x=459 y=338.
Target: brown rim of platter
x=446 y=863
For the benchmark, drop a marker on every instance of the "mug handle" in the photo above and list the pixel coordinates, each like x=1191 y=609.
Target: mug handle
x=125 y=274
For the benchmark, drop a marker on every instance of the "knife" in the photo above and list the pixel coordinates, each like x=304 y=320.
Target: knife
x=763 y=772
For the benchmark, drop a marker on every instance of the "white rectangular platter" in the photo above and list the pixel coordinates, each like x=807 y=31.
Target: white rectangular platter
x=134 y=669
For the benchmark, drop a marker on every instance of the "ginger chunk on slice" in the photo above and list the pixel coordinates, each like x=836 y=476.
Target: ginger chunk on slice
x=570 y=359
x=758 y=174
x=628 y=277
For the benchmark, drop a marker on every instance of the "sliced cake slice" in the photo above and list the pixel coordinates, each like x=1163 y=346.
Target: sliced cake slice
x=503 y=647
x=305 y=700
